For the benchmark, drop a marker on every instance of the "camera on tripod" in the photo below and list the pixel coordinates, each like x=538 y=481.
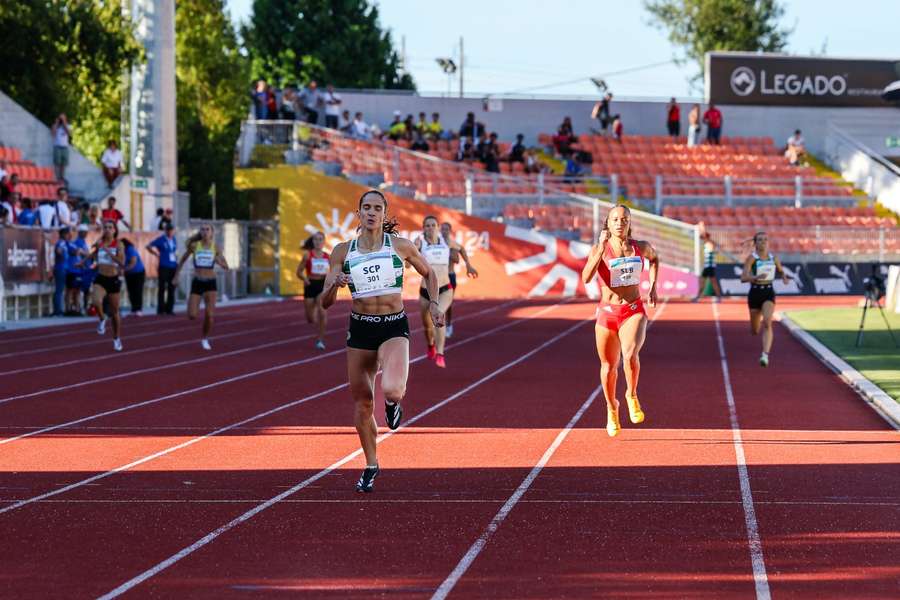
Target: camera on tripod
x=874 y=290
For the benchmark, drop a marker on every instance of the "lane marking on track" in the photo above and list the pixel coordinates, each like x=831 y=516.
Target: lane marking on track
x=492 y=527
x=192 y=341
x=760 y=578
x=184 y=552
x=232 y=380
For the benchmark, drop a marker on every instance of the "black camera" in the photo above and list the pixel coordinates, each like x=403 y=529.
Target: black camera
x=874 y=287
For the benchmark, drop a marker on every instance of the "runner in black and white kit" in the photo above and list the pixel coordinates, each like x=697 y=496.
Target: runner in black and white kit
x=760 y=270
x=457 y=251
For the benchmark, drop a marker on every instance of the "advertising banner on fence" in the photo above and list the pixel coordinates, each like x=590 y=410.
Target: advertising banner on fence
x=773 y=79
x=807 y=279
x=24 y=255
x=512 y=262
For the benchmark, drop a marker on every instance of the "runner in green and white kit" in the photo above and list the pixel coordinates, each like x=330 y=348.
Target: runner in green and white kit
x=378 y=336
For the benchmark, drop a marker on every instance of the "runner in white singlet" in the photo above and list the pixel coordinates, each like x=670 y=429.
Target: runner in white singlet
x=437 y=251
x=760 y=270
x=378 y=336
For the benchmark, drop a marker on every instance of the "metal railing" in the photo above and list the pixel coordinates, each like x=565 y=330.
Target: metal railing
x=819 y=242
x=862 y=166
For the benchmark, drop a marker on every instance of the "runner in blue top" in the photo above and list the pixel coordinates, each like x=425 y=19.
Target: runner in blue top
x=60 y=265
x=165 y=247
x=134 y=277
x=760 y=270
x=378 y=336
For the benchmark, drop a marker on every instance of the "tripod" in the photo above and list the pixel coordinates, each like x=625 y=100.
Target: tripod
x=873 y=302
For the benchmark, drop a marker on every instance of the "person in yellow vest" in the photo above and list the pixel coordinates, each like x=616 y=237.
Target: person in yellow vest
x=202 y=247
x=397 y=129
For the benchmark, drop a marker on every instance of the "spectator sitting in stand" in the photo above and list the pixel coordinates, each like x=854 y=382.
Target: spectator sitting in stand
x=796 y=148
x=360 y=129
x=564 y=138
x=490 y=154
x=466 y=150
x=481 y=146
x=434 y=129
x=111 y=213
x=673 y=119
x=573 y=170
x=470 y=128
x=410 y=126
x=517 y=152
x=617 y=128
x=311 y=100
x=532 y=166
x=397 y=129
x=333 y=103
x=419 y=144
x=344 y=122
x=713 y=119
x=112 y=162
x=422 y=124
x=27 y=216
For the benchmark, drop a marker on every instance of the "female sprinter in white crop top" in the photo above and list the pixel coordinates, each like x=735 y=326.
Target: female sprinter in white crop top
x=621 y=319
x=202 y=247
x=109 y=255
x=437 y=251
x=378 y=336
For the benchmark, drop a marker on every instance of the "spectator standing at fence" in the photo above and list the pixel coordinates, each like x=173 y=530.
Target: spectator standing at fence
x=111 y=159
x=165 y=248
x=601 y=112
x=60 y=265
x=796 y=148
x=312 y=102
x=46 y=215
x=134 y=277
x=673 y=119
x=63 y=212
x=332 y=102
x=288 y=110
x=111 y=213
x=260 y=97
x=27 y=217
x=79 y=253
x=62 y=138
x=713 y=119
x=693 y=126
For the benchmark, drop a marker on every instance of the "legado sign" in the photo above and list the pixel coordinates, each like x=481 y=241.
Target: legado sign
x=773 y=79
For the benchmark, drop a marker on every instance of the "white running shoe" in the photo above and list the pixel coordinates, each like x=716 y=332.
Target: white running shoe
x=449 y=331
x=101 y=327
x=764 y=360
x=117 y=345
x=205 y=343
x=320 y=345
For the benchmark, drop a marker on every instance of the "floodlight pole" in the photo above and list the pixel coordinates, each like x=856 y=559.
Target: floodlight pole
x=462 y=65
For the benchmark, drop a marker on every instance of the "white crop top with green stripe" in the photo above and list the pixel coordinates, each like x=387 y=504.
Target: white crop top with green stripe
x=764 y=267
x=376 y=273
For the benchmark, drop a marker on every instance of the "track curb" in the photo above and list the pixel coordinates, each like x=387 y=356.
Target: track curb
x=878 y=399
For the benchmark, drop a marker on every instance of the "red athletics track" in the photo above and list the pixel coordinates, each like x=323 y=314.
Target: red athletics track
x=150 y=480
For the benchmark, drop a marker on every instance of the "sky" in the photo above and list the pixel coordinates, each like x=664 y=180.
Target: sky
x=548 y=47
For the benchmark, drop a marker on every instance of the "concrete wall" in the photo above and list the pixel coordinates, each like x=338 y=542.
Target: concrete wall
x=21 y=129
x=533 y=116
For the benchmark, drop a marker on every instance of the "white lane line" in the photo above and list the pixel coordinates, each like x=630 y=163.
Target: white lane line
x=241 y=378
x=760 y=578
x=192 y=341
x=444 y=501
x=184 y=552
x=479 y=544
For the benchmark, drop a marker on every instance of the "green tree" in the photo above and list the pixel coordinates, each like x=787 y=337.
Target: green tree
x=212 y=88
x=68 y=56
x=701 y=26
x=332 y=41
